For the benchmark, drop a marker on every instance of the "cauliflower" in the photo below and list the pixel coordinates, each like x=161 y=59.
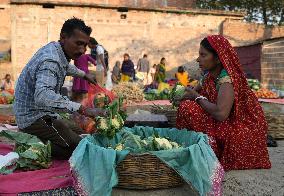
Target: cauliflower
x=163 y=144
x=179 y=91
x=119 y=147
x=102 y=124
x=174 y=145
x=115 y=124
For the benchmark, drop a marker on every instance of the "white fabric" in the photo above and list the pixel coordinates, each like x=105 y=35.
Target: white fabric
x=8 y=159
x=109 y=84
x=100 y=50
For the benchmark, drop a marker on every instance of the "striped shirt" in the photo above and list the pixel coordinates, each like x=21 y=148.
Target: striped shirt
x=38 y=88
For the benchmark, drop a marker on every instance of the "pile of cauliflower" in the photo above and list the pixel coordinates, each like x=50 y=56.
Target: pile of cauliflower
x=109 y=125
x=135 y=144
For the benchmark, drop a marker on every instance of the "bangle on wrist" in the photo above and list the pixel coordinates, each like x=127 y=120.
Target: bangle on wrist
x=200 y=97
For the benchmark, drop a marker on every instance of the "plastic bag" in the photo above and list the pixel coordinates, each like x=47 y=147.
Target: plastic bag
x=93 y=91
x=109 y=84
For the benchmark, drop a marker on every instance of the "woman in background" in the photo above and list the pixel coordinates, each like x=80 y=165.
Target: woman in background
x=127 y=68
x=80 y=86
x=115 y=76
x=161 y=71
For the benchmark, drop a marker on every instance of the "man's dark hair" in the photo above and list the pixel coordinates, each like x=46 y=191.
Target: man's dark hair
x=93 y=41
x=145 y=55
x=75 y=23
x=126 y=54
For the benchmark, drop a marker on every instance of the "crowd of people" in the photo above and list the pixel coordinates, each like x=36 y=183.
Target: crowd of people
x=221 y=106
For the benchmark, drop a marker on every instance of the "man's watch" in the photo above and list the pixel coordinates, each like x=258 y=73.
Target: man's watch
x=200 y=97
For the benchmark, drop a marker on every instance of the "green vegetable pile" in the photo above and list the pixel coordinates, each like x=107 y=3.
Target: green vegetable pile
x=135 y=144
x=33 y=154
x=177 y=92
x=153 y=94
x=108 y=126
x=254 y=84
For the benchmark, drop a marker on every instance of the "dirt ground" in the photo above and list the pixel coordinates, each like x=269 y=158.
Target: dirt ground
x=236 y=183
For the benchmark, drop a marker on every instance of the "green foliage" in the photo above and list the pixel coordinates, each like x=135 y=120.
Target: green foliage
x=269 y=12
x=33 y=154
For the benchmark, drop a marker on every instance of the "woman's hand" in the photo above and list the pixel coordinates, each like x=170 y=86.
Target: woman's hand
x=189 y=94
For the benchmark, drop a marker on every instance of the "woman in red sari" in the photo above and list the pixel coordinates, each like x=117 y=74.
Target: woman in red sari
x=224 y=107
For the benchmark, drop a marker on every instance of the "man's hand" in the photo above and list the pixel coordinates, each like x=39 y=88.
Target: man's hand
x=92 y=112
x=90 y=78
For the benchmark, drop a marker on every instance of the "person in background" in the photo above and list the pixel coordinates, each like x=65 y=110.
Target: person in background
x=98 y=53
x=143 y=66
x=160 y=75
x=115 y=76
x=153 y=72
x=38 y=101
x=80 y=86
x=127 y=69
x=7 y=84
x=182 y=76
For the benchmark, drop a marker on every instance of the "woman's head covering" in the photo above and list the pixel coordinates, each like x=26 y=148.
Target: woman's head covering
x=246 y=103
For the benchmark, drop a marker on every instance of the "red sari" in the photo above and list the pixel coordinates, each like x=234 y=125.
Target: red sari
x=240 y=141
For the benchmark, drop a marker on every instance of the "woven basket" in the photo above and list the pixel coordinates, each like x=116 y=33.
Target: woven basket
x=146 y=171
x=169 y=112
x=275 y=124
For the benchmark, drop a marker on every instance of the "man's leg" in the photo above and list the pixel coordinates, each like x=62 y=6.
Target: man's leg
x=63 y=139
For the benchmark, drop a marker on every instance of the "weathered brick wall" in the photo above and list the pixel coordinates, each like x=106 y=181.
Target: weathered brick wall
x=5 y=26
x=241 y=33
x=184 y=4
x=174 y=36
x=272 y=63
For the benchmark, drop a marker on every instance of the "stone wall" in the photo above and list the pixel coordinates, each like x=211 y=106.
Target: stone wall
x=242 y=33
x=182 y=4
x=174 y=36
x=5 y=26
x=272 y=63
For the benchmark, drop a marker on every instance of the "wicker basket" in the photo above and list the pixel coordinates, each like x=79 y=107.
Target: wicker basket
x=275 y=124
x=146 y=171
x=169 y=112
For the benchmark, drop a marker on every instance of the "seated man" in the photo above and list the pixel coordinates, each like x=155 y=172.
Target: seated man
x=37 y=94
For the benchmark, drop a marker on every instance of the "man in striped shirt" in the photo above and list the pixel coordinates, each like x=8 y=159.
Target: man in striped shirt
x=37 y=96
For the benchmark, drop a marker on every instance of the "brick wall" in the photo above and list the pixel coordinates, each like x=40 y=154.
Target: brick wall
x=5 y=26
x=242 y=33
x=174 y=36
x=272 y=63
x=183 y=4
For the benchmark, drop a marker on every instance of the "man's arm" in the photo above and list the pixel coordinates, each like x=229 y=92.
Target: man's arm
x=72 y=70
x=45 y=95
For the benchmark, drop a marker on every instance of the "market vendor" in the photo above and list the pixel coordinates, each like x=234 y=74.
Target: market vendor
x=226 y=109
x=37 y=95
